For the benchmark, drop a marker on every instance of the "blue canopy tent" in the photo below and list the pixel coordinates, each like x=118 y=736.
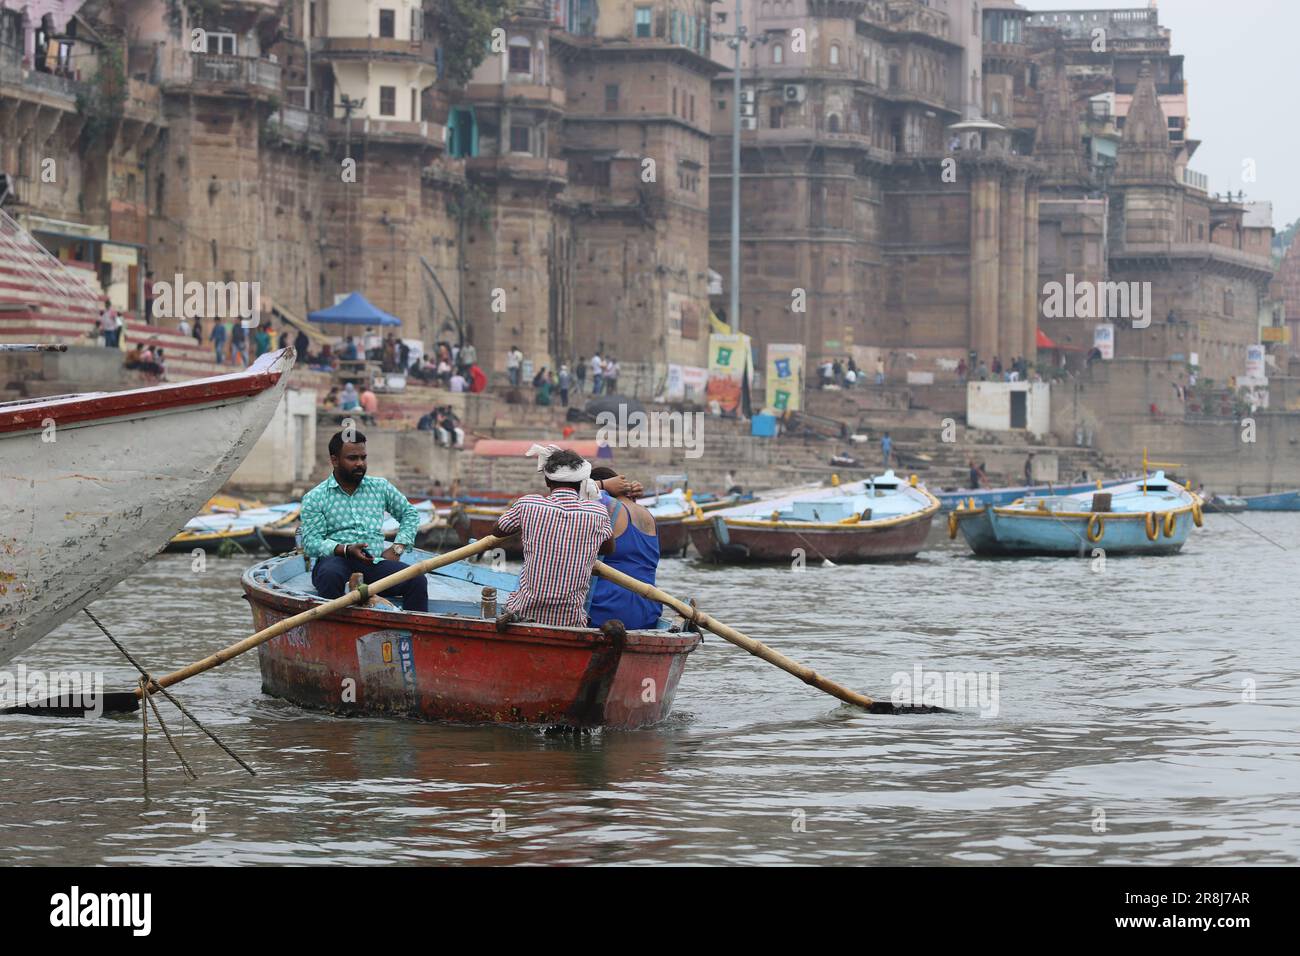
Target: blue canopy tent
x=354 y=310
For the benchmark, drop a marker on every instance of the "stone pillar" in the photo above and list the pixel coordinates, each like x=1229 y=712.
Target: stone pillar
x=984 y=265
x=1011 y=279
x=1029 y=329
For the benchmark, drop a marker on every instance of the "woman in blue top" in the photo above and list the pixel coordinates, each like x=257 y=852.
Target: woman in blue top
x=636 y=553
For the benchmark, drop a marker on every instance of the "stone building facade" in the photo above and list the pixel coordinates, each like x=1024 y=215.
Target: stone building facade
x=558 y=201
x=852 y=193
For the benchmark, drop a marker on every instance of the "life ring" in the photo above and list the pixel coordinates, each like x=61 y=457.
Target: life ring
x=1171 y=523
x=952 y=524
x=1101 y=528
x=1153 y=526
x=1196 y=513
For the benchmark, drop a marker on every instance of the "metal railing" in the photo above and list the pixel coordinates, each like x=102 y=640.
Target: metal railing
x=236 y=71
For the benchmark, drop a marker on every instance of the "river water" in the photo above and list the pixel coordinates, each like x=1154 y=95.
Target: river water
x=1146 y=712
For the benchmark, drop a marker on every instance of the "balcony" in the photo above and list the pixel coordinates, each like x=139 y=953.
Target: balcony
x=14 y=73
x=519 y=166
x=409 y=132
x=533 y=95
x=219 y=75
x=373 y=48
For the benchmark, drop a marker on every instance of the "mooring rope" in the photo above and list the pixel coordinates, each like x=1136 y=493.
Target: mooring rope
x=146 y=692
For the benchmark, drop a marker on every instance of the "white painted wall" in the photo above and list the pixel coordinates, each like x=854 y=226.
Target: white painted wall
x=988 y=406
x=285 y=454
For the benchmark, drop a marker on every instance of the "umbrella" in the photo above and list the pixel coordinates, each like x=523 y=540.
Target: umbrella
x=354 y=310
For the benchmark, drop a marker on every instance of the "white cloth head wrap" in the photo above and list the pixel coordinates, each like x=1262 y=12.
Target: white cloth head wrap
x=588 y=490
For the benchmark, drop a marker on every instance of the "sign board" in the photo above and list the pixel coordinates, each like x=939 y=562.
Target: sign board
x=784 y=378
x=120 y=255
x=729 y=362
x=1103 y=340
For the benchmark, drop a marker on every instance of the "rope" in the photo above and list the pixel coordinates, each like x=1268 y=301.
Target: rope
x=145 y=681
x=144 y=744
x=153 y=686
x=1249 y=528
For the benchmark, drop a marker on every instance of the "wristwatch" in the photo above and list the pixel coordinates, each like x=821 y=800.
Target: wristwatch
x=400 y=549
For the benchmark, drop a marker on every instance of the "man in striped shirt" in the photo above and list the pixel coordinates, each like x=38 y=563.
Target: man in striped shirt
x=563 y=532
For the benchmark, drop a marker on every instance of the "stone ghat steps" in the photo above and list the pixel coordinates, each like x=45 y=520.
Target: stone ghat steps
x=185 y=358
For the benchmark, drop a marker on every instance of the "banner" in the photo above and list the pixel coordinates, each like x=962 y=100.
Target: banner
x=784 y=378
x=729 y=364
x=1103 y=340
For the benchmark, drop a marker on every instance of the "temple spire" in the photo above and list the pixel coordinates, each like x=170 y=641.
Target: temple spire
x=1144 y=150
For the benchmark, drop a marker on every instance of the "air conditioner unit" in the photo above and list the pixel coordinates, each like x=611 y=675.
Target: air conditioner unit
x=794 y=93
x=746 y=96
x=749 y=122
x=746 y=109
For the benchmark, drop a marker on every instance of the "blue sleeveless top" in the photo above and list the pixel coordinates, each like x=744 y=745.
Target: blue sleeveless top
x=635 y=554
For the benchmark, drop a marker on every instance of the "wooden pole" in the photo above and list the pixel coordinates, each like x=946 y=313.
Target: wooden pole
x=757 y=648
x=321 y=610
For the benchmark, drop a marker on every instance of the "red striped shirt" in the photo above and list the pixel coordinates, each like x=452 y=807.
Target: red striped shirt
x=562 y=536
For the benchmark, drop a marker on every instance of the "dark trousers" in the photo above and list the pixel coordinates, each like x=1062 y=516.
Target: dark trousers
x=330 y=575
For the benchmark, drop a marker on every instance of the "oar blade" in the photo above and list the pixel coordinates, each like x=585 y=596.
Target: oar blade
x=113 y=702
x=886 y=707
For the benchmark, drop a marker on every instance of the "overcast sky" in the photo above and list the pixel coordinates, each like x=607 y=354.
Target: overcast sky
x=1242 y=60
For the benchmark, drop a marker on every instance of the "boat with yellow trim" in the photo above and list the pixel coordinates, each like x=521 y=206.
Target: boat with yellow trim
x=234 y=520
x=1152 y=515
x=879 y=519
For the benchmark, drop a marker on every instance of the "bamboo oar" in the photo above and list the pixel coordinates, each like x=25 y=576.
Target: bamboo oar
x=758 y=648
x=127 y=701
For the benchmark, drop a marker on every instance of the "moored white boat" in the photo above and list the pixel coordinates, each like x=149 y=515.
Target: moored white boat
x=880 y=519
x=95 y=484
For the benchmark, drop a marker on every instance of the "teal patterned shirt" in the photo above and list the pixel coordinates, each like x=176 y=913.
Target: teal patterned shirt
x=330 y=517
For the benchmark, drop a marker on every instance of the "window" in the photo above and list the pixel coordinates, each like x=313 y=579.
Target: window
x=311 y=18
x=995 y=104
x=692 y=116
x=417 y=24
x=643 y=22
x=1227 y=302
x=611 y=97
x=223 y=44
x=388 y=101
x=833 y=123
x=778 y=54
x=835 y=54
x=521 y=56
x=415 y=105
x=674 y=101
x=387 y=24
x=520 y=138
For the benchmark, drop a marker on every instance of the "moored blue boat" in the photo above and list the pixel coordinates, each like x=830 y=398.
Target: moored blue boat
x=949 y=500
x=1278 y=501
x=1151 y=516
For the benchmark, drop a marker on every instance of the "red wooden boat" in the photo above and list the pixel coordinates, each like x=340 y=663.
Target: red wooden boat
x=451 y=664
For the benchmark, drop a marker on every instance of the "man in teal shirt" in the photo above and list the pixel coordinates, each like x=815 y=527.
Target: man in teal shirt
x=342 y=526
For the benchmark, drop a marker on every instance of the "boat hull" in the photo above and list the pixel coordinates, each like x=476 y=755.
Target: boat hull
x=716 y=539
x=1281 y=501
x=459 y=669
x=950 y=500
x=995 y=533
x=125 y=472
